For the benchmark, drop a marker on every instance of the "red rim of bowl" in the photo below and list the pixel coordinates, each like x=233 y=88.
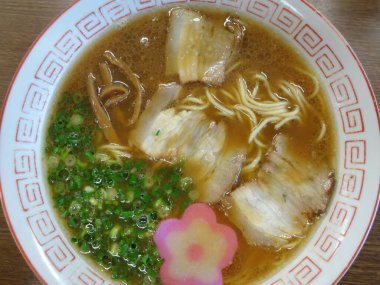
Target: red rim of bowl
x=334 y=29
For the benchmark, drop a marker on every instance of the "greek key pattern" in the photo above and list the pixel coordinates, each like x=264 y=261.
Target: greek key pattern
x=25 y=163
x=344 y=91
x=286 y=20
x=327 y=244
x=352 y=183
x=304 y=272
x=27 y=130
x=354 y=164
x=169 y=2
x=91 y=25
x=114 y=11
x=59 y=254
x=232 y=3
x=50 y=69
x=263 y=9
x=279 y=282
x=144 y=4
x=209 y=1
x=35 y=100
x=309 y=39
x=29 y=192
x=70 y=43
x=42 y=227
x=86 y=277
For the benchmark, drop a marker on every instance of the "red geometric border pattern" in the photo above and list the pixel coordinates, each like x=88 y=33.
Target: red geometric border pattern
x=328 y=62
x=144 y=4
x=209 y=1
x=35 y=99
x=304 y=272
x=91 y=25
x=86 y=277
x=42 y=227
x=309 y=39
x=27 y=130
x=68 y=45
x=263 y=9
x=344 y=91
x=25 y=163
x=29 y=192
x=50 y=69
x=342 y=217
x=115 y=10
x=352 y=119
x=168 y=2
x=352 y=183
x=59 y=254
x=232 y=3
x=327 y=244
x=305 y=36
x=355 y=154
x=279 y=282
x=286 y=20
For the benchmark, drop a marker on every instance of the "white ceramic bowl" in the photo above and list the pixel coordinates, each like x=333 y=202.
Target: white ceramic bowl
x=343 y=230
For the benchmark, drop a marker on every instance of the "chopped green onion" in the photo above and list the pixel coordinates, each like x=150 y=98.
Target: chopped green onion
x=111 y=208
x=53 y=161
x=89 y=189
x=76 y=120
x=115 y=231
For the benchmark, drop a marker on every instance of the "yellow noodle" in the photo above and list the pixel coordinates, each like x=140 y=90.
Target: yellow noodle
x=227 y=94
x=248 y=112
x=253 y=163
x=218 y=105
x=233 y=67
x=263 y=78
x=259 y=143
x=193 y=108
x=314 y=79
x=286 y=120
x=256 y=130
x=322 y=132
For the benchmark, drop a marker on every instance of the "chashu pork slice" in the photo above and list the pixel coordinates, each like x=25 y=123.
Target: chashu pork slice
x=197 y=49
x=276 y=208
x=173 y=135
x=165 y=95
x=223 y=176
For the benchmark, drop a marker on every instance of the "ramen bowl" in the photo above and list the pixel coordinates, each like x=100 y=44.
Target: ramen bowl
x=338 y=236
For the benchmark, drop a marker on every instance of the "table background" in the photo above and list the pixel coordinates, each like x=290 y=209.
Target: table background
x=21 y=21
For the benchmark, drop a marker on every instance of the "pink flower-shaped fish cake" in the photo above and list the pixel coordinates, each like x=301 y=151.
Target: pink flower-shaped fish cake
x=195 y=248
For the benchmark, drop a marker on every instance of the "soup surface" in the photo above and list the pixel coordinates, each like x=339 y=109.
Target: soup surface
x=112 y=197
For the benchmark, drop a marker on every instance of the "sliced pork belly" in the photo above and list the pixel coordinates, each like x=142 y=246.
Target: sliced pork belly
x=197 y=49
x=224 y=175
x=167 y=135
x=275 y=209
x=173 y=135
x=165 y=94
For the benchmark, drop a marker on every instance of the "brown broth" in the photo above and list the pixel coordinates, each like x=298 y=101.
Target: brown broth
x=262 y=50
